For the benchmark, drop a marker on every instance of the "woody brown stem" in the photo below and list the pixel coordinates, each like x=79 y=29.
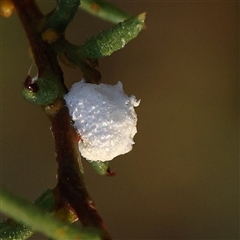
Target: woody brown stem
x=70 y=179
x=70 y=188
x=31 y=19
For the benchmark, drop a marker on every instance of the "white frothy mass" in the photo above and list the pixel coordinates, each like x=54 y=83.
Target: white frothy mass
x=104 y=117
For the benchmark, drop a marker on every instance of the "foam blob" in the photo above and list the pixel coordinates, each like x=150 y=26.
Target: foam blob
x=104 y=117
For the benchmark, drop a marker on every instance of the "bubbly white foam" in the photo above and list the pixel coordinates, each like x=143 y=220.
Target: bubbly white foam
x=104 y=117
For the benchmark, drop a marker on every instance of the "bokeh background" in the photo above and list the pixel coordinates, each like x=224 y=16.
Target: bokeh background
x=181 y=181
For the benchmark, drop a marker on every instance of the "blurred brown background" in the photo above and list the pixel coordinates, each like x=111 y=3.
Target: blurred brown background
x=181 y=181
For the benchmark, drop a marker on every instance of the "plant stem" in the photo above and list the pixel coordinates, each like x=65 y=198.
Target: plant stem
x=70 y=188
x=71 y=184
x=31 y=17
x=40 y=220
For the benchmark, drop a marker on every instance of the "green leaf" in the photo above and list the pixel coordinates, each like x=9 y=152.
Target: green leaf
x=42 y=221
x=104 y=10
x=10 y=229
x=113 y=39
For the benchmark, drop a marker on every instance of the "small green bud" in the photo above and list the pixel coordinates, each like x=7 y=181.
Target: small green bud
x=100 y=167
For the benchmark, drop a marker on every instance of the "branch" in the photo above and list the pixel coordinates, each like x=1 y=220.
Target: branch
x=31 y=18
x=70 y=175
x=70 y=188
x=41 y=221
x=46 y=38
